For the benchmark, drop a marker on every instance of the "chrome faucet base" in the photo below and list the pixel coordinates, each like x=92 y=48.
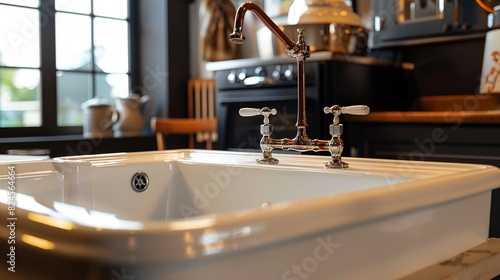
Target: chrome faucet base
x=301 y=142
x=336 y=163
x=267 y=159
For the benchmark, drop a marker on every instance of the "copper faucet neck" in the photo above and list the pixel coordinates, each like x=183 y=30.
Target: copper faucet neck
x=237 y=35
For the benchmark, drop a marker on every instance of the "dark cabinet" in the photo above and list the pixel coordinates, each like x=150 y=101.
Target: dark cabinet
x=434 y=142
x=403 y=22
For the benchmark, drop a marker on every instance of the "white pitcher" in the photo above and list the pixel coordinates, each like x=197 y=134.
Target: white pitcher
x=99 y=116
x=134 y=112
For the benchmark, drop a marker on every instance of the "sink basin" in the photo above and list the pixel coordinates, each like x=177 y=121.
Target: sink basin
x=191 y=214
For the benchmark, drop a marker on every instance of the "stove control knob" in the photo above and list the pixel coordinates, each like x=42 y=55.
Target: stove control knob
x=231 y=77
x=242 y=75
x=260 y=71
x=289 y=73
x=277 y=75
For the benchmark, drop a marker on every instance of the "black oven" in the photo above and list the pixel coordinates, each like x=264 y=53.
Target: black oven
x=257 y=87
x=341 y=80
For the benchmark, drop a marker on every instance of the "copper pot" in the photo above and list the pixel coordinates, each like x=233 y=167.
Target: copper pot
x=334 y=37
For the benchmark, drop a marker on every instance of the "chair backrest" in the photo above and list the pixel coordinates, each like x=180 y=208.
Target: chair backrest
x=201 y=105
x=201 y=121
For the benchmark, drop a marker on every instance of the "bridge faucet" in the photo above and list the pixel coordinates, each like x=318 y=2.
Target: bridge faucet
x=300 y=51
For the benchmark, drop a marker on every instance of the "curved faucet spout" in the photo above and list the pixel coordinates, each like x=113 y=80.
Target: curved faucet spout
x=237 y=35
x=300 y=51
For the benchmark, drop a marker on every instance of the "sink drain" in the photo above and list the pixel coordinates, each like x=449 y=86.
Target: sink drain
x=266 y=205
x=140 y=182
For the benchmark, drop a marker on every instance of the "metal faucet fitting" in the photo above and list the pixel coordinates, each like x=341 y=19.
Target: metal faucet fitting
x=300 y=51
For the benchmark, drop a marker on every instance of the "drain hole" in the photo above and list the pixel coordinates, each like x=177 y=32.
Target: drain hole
x=140 y=182
x=266 y=205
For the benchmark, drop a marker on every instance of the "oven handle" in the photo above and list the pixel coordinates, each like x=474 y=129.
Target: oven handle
x=258 y=80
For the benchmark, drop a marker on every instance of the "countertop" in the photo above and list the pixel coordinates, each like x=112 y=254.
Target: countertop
x=485 y=117
x=315 y=56
x=481 y=262
x=17 y=158
x=477 y=109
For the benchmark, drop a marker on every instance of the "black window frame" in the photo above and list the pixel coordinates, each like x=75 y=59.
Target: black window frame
x=48 y=78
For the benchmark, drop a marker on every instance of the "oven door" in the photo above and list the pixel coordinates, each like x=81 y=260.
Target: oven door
x=243 y=133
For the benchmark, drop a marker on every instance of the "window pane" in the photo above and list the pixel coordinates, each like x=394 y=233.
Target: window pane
x=111 y=45
x=109 y=86
x=72 y=90
x=111 y=8
x=27 y=3
x=19 y=37
x=75 y=6
x=20 y=98
x=73 y=42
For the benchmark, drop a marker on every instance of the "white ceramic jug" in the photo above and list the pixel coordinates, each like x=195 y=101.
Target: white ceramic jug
x=134 y=112
x=99 y=116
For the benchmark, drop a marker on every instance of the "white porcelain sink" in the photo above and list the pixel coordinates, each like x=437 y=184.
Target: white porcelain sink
x=220 y=215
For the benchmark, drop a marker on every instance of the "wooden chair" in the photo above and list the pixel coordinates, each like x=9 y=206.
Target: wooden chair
x=201 y=121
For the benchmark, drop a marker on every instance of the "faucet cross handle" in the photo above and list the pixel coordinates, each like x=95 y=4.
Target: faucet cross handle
x=250 y=112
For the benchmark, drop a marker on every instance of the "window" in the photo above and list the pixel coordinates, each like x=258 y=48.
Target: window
x=20 y=65
x=55 y=55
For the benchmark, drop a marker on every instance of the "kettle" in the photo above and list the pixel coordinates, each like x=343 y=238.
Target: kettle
x=99 y=116
x=134 y=112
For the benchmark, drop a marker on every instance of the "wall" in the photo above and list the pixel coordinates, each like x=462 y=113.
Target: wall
x=246 y=50
x=164 y=58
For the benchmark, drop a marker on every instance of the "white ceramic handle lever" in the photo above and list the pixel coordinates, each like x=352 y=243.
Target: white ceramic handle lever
x=356 y=110
x=249 y=112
